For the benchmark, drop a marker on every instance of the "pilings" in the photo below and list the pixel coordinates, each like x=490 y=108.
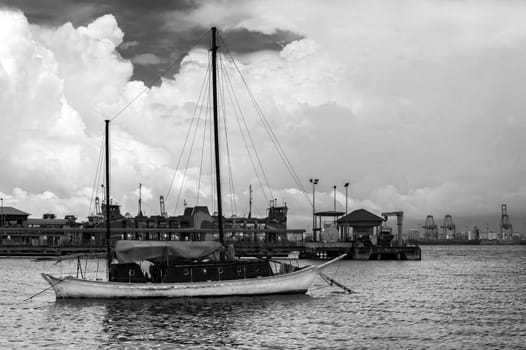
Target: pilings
x=361 y=252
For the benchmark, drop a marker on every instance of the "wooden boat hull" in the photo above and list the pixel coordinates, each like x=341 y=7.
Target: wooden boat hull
x=296 y=282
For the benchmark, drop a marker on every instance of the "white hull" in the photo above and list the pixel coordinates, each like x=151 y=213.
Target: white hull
x=290 y=283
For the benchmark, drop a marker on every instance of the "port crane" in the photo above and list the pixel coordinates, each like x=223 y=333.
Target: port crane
x=431 y=231
x=506 y=229
x=448 y=227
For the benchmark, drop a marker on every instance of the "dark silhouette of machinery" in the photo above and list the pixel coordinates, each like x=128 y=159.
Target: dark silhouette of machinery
x=431 y=229
x=448 y=228
x=506 y=229
x=163 y=208
x=98 y=210
x=476 y=233
x=385 y=236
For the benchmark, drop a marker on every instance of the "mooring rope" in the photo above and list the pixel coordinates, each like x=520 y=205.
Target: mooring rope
x=331 y=281
x=42 y=291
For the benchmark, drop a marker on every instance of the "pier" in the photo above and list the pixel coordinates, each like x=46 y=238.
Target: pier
x=33 y=241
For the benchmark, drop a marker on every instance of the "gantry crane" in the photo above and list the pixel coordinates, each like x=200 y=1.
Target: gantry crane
x=431 y=230
x=448 y=227
x=506 y=229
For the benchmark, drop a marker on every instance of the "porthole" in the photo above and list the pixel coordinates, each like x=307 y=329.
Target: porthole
x=239 y=269
x=186 y=272
x=204 y=271
x=131 y=273
x=220 y=270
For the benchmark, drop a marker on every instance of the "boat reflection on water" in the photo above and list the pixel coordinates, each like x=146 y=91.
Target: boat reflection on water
x=211 y=322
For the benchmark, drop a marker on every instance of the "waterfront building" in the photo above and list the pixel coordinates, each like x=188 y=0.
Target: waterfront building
x=12 y=217
x=360 y=225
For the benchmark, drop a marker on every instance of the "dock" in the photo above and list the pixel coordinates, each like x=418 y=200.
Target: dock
x=356 y=251
x=31 y=242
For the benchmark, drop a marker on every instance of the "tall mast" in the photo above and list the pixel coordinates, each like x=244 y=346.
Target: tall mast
x=108 y=217
x=216 y=135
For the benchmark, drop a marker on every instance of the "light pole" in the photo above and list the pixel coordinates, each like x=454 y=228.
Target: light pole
x=334 y=204
x=314 y=182
x=2 y=212
x=346 y=195
x=346 y=185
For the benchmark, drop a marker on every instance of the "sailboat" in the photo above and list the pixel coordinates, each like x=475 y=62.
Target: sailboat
x=171 y=269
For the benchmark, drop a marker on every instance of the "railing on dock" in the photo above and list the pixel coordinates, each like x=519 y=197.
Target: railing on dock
x=32 y=240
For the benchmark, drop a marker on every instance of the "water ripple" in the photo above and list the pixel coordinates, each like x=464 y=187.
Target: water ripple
x=455 y=298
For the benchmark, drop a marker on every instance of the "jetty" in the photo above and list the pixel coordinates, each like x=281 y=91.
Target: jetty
x=360 y=234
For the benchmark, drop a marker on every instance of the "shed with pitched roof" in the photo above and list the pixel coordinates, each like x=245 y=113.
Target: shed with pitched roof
x=10 y=216
x=362 y=222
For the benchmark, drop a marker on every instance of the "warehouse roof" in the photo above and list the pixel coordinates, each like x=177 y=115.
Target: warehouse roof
x=361 y=217
x=12 y=211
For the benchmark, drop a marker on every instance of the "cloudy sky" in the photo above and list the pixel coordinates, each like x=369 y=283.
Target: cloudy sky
x=419 y=104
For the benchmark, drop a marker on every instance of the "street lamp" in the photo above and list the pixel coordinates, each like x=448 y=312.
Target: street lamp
x=2 y=212
x=346 y=195
x=334 y=197
x=334 y=187
x=314 y=182
x=346 y=230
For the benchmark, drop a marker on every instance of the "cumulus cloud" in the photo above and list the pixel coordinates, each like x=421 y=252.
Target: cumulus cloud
x=52 y=78
x=146 y=59
x=419 y=104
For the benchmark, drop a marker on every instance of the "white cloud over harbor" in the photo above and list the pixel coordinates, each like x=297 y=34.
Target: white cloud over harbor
x=418 y=103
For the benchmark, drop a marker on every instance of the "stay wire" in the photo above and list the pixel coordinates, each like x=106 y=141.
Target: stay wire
x=152 y=81
x=233 y=207
x=189 y=131
x=243 y=127
x=266 y=124
x=207 y=117
x=237 y=112
x=200 y=109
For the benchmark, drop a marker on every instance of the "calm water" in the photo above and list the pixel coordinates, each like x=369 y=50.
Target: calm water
x=458 y=297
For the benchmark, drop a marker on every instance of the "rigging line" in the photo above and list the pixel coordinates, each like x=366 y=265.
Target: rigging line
x=97 y=174
x=207 y=117
x=201 y=106
x=200 y=109
x=277 y=144
x=250 y=138
x=254 y=167
x=229 y=159
x=203 y=85
x=244 y=121
x=275 y=140
x=237 y=112
x=151 y=81
x=129 y=103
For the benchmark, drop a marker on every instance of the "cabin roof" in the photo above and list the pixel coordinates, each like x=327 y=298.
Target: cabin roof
x=361 y=217
x=13 y=211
